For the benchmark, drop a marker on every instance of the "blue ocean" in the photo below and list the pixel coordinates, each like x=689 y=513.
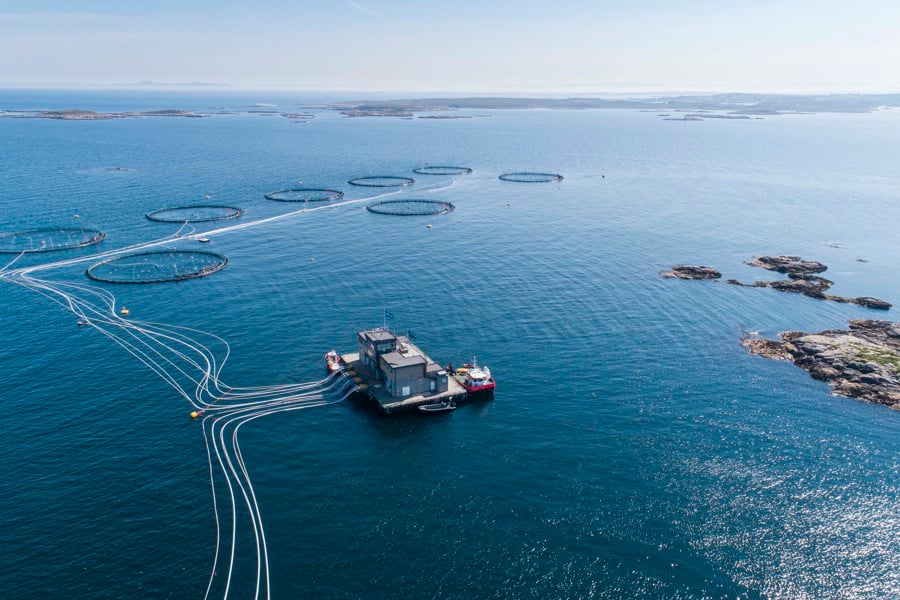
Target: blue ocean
x=633 y=447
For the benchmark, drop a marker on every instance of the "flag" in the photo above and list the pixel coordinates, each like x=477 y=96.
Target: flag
x=388 y=314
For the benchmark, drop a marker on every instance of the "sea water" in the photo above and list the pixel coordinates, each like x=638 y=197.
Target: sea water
x=633 y=448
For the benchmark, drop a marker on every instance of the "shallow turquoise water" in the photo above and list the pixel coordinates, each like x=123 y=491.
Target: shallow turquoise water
x=633 y=449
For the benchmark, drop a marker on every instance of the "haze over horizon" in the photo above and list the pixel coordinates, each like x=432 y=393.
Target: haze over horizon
x=575 y=47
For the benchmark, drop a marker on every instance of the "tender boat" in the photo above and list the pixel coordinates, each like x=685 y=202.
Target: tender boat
x=474 y=378
x=203 y=240
x=438 y=407
x=333 y=361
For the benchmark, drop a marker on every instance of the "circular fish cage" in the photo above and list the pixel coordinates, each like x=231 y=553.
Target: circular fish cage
x=529 y=177
x=436 y=170
x=158 y=266
x=305 y=195
x=410 y=207
x=200 y=213
x=382 y=181
x=48 y=239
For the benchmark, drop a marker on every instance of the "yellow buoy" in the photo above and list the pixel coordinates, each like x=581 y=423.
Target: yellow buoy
x=124 y=312
x=194 y=414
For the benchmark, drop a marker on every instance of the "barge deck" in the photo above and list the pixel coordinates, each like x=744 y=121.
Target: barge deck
x=384 y=401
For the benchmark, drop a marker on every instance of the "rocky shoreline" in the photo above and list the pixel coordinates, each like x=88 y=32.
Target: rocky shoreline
x=862 y=361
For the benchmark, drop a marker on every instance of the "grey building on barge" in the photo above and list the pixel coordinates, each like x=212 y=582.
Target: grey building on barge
x=397 y=374
x=398 y=364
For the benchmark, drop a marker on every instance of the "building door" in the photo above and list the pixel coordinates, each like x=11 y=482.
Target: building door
x=405 y=391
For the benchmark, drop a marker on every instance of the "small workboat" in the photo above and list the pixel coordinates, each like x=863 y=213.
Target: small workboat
x=438 y=407
x=475 y=379
x=333 y=361
x=203 y=240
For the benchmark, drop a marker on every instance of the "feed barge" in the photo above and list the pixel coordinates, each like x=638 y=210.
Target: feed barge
x=397 y=376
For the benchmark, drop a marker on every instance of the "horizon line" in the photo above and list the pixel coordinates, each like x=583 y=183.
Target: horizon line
x=214 y=88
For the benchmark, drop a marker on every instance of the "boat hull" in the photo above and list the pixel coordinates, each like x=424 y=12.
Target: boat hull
x=436 y=409
x=480 y=389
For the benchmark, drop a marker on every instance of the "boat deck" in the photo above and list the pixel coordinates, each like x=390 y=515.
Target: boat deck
x=386 y=403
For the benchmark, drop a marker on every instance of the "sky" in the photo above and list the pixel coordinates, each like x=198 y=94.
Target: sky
x=457 y=46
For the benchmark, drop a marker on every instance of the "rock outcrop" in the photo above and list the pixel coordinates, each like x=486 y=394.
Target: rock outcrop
x=791 y=265
x=802 y=279
x=688 y=272
x=861 y=362
x=867 y=301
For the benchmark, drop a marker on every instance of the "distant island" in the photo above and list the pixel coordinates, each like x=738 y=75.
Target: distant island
x=78 y=114
x=687 y=108
x=75 y=114
x=727 y=106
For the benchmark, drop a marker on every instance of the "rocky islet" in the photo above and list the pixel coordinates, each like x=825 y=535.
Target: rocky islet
x=862 y=361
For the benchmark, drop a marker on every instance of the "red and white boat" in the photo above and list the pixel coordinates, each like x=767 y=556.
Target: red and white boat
x=475 y=379
x=333 y=361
